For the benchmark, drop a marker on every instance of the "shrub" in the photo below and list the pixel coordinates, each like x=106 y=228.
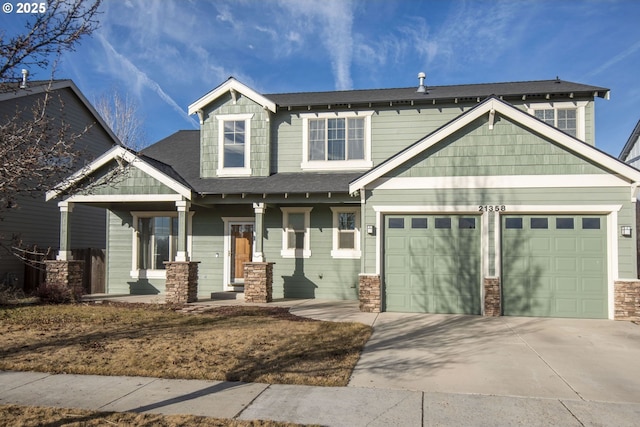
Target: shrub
x=57 y=293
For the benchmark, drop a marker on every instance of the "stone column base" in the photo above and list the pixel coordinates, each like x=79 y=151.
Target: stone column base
x=182 y=282
x=258 y=282
x=492 y=297
x=370 y=293
x=67 y=273
x=627 y=300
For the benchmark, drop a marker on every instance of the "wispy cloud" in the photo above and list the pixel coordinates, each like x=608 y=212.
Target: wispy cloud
x=613 y=61
x=128 y=72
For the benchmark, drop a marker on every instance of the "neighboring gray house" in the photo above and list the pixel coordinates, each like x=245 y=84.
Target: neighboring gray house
x=630 y=153
x=34 y=221
x=479 y=199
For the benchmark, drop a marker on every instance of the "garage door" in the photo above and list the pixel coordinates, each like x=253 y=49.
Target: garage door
x=554 y=266
x=432 y=264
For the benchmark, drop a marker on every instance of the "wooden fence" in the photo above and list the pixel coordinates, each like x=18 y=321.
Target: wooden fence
x=94 y=277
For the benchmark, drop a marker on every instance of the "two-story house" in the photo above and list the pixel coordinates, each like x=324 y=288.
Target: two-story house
x=478 y=199
x=33 y=222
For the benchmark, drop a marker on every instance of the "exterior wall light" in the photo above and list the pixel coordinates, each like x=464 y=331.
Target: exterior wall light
x=371 y=229
x=625 y=230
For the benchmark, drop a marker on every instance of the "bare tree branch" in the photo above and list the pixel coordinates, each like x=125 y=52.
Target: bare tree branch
x=122 y=114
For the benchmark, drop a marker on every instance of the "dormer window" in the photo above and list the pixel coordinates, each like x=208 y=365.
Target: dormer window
x=339 y=140
x=569 y=117
x=234 y=144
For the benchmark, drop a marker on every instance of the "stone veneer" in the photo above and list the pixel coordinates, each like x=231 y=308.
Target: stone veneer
x=370 y=293
x=627 y=300
x=492 y=297
x=258 y=282
x=182 y=282
x=67 y=273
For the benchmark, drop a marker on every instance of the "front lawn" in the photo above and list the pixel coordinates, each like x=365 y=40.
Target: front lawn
x=235 y=343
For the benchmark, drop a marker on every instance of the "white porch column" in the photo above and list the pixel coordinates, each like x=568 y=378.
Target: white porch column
x=259 y=209
x=64 y=254
x=183 y=209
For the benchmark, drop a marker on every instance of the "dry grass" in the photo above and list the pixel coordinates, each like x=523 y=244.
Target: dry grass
x=250 y=344
x=33 y=416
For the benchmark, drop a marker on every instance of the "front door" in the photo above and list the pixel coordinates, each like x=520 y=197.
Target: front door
x=240 y=251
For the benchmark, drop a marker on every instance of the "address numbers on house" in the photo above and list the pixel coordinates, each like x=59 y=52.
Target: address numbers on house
x=492 y=208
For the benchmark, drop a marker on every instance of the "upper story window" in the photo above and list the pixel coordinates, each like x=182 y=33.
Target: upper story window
x=569 y=117
x=234 y=144
x=336 y=140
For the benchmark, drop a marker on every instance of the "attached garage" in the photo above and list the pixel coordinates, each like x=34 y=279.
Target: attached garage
x=554 y=266
x=432 y=264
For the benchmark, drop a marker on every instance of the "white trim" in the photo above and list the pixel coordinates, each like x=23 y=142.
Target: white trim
x=228 y=86
x=229 y=171
x=113 y=198
x=114 y=154
x=570 y=143
x=318 y=165
x=613 y=260
x=295 y=253
x=579 y=106
x=484 y=248
x=228 y=222
x=498 y=181
x=336 y=252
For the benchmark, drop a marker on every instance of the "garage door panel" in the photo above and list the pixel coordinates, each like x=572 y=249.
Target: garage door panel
x=440 y=267
x=557 y=272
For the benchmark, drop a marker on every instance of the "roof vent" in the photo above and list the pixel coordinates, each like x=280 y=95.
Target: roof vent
x=421 y=87
x=25 y=73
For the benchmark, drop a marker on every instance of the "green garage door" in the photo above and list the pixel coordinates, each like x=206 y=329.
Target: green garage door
x=554 y=266
x=432 y=264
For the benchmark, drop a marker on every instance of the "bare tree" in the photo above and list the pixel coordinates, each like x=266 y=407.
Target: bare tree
x=122 y=114
x=37 y=145
x=59 y=28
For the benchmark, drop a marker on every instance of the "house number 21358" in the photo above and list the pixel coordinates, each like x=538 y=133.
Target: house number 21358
x=492 y=208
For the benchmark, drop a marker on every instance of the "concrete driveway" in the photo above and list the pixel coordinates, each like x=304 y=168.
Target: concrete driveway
x=592 y=360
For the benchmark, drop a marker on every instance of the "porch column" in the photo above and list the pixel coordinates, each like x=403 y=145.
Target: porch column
x=183 y=213
x=259 y=208
x=64 y=254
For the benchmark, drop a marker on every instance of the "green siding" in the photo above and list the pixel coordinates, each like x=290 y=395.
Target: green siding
x=131 y=181
x=260 y=135
x=507 y=149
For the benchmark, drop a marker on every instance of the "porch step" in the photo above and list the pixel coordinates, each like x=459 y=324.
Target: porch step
x=227 y=295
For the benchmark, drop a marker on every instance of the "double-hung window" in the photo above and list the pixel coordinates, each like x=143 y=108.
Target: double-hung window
x=569 y=117
x=234 y=144
x=336 y=140
x=296 y=241
x=346 y=232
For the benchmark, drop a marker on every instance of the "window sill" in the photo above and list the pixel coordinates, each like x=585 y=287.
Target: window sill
x=148 y=274
x=295 y=253
x=345 y=254
x=234 y=172
x=336 y=165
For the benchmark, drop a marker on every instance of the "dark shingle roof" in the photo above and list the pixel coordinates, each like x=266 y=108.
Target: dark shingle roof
x=178 y=156
x=470 y=91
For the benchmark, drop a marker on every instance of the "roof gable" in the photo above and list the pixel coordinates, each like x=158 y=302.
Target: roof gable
x=633 y=140
x=234 y=86
x=490 y=107
x=119 y=154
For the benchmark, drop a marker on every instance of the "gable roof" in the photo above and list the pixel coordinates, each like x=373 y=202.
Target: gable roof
x=231 y=85
x=157 y=171
x=36 y=87
x=633 y=139
x=490 y=106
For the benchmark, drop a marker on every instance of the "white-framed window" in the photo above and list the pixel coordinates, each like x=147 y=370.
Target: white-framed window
x=340 y=140
x=569 y=117
x=155 y=241
x=346 y=232
x=234 y=144
x=296 y=242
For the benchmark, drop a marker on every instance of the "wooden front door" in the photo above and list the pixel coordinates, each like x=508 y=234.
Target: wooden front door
x=241 y=250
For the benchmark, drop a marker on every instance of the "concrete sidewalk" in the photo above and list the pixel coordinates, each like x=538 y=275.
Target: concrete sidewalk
x=330 y=406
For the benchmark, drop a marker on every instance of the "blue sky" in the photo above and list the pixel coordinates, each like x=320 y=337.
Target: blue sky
x=165 y=54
